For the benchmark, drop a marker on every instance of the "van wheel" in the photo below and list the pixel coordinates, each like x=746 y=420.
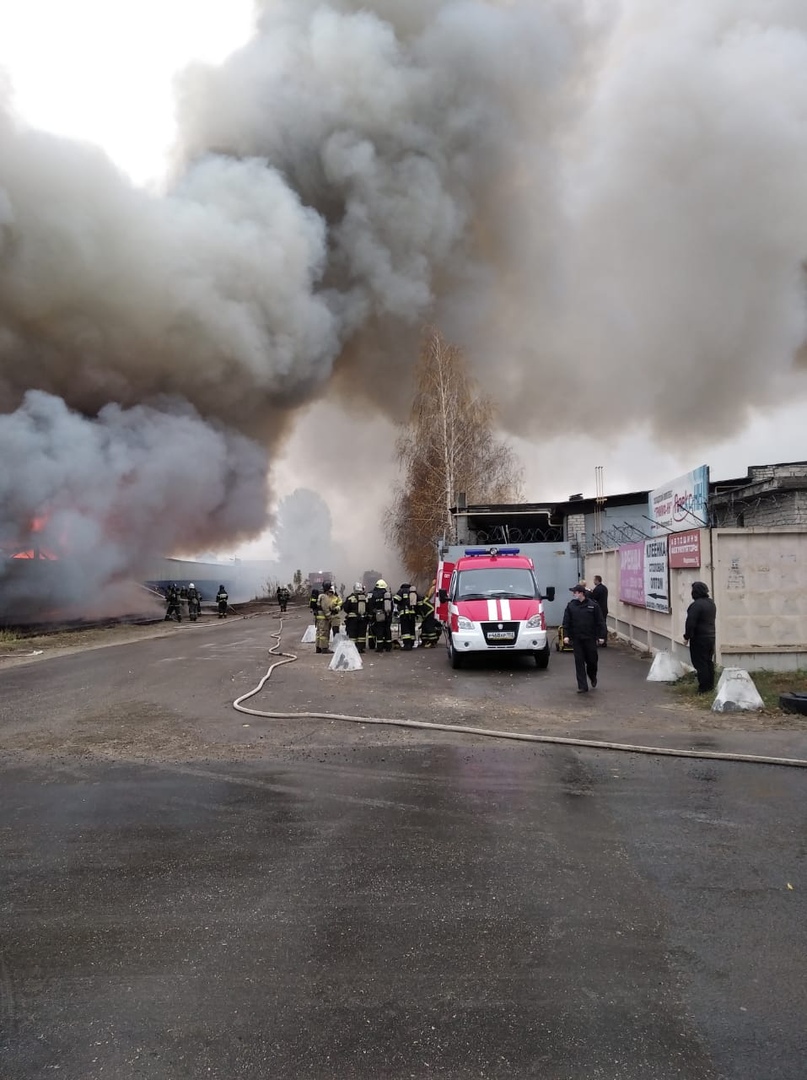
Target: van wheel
x=454 y=657
x=542 y=659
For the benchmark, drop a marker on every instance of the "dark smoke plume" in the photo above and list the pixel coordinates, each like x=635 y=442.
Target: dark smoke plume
x=607 y=203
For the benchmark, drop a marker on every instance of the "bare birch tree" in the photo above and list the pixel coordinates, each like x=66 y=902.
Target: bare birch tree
x=448 y=447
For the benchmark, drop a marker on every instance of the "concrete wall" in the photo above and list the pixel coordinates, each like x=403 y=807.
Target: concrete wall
x=758 y=578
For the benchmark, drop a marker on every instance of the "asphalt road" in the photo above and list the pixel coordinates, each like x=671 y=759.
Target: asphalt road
x=184 y=896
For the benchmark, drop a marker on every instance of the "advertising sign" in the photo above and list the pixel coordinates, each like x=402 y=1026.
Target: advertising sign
x=684 y=549
x=656 y=575
x=681 y=504
x=631 y=574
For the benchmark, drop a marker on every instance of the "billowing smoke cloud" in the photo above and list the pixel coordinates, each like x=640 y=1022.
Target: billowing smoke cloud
x=609 y=205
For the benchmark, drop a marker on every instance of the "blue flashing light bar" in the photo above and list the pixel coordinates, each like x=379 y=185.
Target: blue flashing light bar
x=493 y=551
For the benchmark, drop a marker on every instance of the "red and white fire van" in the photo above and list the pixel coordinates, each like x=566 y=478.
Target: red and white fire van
x=489 y=600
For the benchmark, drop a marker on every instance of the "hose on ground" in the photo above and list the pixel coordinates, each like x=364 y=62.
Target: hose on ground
x=464 y=729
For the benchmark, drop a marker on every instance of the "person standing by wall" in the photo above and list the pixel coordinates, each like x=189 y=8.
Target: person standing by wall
x=222 y=600
x=599 y=594
x=584 y=625
x=699 y=633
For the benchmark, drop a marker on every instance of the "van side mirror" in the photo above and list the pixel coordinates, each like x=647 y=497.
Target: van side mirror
x=442 y=596
x=550 y=592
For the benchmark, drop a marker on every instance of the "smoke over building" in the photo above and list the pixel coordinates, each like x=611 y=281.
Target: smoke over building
x=611 y=204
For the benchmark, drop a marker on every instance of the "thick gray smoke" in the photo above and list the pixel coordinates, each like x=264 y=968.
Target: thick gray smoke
x=612 y=205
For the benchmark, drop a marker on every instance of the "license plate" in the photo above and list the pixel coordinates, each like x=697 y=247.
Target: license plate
x=501 y=635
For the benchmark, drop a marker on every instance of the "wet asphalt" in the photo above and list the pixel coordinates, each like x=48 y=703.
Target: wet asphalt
x=185 y=896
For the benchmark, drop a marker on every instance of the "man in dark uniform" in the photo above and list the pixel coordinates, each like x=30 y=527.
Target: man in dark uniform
x=599 y=594
x=429 y=626
x=355 y=609
x=699 y=633
x=584 y=625
x=222 y=600
x=313 y=603
x=380 y=628
x=173 y=610
x=406 y=603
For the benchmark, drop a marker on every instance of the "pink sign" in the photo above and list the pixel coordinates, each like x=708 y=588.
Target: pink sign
x=631 y=574
x=684 y=549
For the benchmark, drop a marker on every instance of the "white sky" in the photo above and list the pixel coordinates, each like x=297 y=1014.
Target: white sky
x=101 y=71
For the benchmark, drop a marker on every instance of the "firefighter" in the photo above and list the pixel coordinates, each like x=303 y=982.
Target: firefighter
x=313 y=603
x=194 y=602
x=380 y=627
x=429 y=626
x=173 y=611
x=328 y=616
x=283 y=596
x=355 y=608
x=406 y=604
x=221 y=602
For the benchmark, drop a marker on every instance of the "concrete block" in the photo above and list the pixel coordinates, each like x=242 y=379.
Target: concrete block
x=736 y=692
x=665 y=668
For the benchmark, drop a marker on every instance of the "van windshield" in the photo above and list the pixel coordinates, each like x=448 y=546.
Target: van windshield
x=517 y=583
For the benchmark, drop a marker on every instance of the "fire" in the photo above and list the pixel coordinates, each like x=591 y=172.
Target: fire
x=38 y=525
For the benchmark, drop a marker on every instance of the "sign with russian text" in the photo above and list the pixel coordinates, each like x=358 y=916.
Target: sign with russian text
x=656 y=575
x=631 y=574
x=684 y=549
x=681 y=504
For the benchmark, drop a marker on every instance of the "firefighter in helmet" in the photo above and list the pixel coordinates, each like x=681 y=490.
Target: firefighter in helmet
x=406 y=604
x=172 y=611
x=380 y=603
x=222 y=600
x=329 y=607
x=429 y=626
x=194 y=602
x=356 y=610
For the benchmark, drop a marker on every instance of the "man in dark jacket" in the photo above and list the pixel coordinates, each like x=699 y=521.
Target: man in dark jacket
x=599 y=594
x=584 y=625
x=379 y=606
x=356 y=609
x=406 y=602
x=699 y=633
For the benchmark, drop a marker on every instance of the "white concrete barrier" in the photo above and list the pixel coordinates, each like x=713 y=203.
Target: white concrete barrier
x=736 y=692
x=665 y=668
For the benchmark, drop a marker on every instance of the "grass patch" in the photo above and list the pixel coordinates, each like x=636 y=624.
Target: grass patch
x=770 y=685
x=8 y=637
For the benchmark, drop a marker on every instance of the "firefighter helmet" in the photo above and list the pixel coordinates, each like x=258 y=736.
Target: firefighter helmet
x=381 y=584
x=358 y=587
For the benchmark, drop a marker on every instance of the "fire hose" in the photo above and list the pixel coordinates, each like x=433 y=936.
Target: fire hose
x=464 y=729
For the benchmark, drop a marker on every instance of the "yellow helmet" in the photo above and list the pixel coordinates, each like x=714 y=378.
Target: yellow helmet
x=381 y=584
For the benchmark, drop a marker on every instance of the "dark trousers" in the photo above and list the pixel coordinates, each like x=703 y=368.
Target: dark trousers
x=702 y=655
x=585 y=660
x=379 y=635
x=356 y=628
x=408 y=624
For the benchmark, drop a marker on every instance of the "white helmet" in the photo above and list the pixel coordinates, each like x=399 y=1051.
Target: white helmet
x=358 y=587
x=191 y=586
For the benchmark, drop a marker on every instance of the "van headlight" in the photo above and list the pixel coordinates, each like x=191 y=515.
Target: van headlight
x=463 y=623
x=534 y=623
